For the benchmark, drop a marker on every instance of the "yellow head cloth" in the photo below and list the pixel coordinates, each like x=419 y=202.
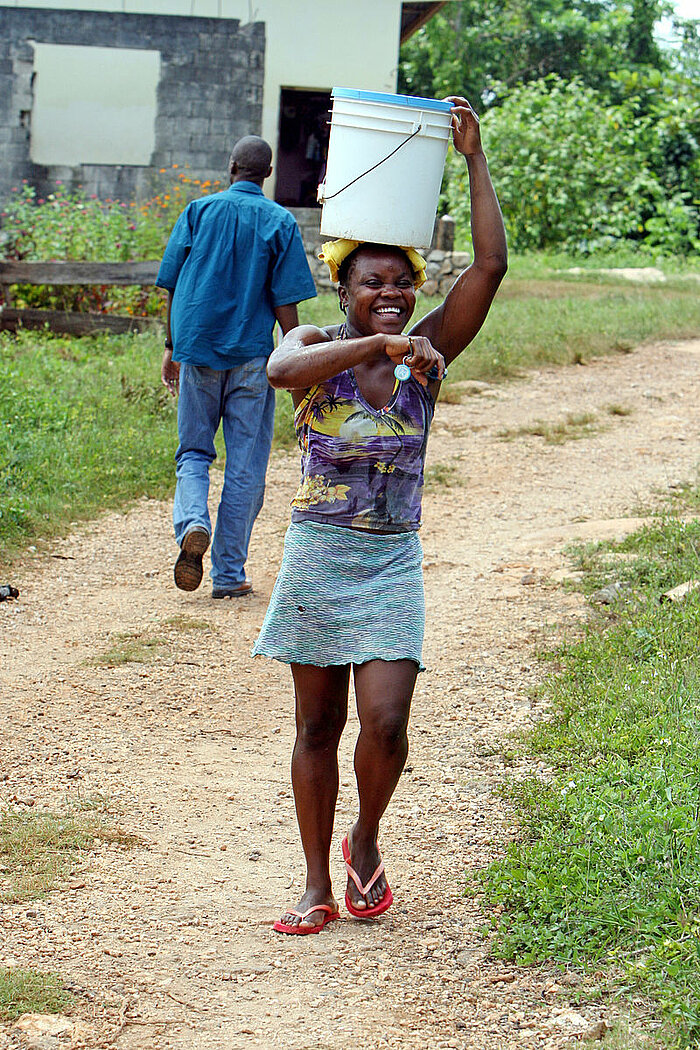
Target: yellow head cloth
x=333 y=253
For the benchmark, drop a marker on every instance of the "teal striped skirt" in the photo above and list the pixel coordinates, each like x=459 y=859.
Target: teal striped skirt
x=344 y=596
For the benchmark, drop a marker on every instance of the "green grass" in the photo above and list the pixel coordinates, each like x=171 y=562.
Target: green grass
x=26 y=991
x=39 y=849
x=621 y=1037
x=285 y=436
x=84 y=427
x=527 y=329
x=606 y=872
x=543 y=264
x=86 y=424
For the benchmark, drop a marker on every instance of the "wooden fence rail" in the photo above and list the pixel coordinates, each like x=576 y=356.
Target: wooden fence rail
x=66 y=322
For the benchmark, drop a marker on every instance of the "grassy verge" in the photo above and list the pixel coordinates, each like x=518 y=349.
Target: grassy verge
x=86 y=424
x=607 y=870
x=565 y=321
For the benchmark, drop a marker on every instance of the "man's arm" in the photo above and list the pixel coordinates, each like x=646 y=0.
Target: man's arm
x=169 y=369
x=287 y=317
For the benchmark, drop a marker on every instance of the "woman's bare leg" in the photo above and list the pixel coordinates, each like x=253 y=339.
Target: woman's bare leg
x=384 y=690
x=321 y=713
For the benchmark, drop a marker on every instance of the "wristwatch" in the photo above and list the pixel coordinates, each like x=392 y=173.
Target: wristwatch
x=168 y=344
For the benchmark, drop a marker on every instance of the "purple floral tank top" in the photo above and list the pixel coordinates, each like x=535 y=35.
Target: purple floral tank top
x=362 y=467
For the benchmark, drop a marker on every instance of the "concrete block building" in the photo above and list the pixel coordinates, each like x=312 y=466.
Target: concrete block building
x=103 y=93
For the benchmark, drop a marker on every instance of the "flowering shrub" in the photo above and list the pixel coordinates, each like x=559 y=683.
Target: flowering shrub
x=72 y=225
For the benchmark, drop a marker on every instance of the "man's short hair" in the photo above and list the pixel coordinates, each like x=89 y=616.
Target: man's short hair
x=252 y=156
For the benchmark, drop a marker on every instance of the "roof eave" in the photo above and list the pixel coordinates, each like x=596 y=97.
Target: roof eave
x=416 y=20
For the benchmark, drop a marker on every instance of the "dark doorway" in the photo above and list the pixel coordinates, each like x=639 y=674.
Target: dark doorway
x=302 y=146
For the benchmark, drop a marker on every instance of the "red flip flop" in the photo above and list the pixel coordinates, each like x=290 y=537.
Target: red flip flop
x=376 y=909
x=284 y=927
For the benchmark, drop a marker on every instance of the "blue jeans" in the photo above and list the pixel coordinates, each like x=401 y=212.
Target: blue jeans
x=243 y=399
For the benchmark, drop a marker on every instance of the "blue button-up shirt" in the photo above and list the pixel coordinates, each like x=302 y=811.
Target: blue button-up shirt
x=231 y=258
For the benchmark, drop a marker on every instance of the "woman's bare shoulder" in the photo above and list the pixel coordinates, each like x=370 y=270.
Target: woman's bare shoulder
x=309 y=334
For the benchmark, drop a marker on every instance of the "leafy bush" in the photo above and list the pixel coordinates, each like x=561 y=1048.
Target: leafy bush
x=573 y=171
x=483 y=48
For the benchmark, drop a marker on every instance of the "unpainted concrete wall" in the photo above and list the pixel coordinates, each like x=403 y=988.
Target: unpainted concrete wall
x=209 y=95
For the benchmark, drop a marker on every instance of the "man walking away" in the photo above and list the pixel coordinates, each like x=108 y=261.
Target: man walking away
x=234 y=264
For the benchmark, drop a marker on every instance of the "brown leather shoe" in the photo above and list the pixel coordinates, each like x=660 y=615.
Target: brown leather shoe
x=233 y=592
x=189 y=570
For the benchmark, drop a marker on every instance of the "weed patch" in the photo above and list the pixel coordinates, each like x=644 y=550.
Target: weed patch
x=130 y=648
x=38 y=849
x=574 y=427
x=442 y=475
x=27 y=991
x=618 y=410
x=143 y=647
x=186 y=623
x=451 y=394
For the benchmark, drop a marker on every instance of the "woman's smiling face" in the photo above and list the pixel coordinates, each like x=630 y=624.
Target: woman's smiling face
x=379 y=291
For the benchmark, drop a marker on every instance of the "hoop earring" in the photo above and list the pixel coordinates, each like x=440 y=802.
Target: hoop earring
x=343 y=307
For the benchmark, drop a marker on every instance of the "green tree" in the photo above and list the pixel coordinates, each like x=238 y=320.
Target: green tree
x=685 y=50
x=484 y=48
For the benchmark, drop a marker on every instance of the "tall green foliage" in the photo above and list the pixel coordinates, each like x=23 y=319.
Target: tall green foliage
x=574 y=171
x=484 y=48
x=592 y=125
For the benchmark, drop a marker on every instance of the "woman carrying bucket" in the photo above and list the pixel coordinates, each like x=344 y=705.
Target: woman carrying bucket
x=349 y=595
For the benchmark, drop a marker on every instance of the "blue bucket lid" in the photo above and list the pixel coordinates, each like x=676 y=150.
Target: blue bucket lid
x=394 y=100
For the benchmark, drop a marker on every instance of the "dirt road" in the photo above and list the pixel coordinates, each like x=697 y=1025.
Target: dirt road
x=168 y=944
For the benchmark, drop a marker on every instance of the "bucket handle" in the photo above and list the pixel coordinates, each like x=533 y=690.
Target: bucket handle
x=417 y=128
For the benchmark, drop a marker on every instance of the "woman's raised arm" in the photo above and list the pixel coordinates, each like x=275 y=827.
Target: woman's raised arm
x=453 y=324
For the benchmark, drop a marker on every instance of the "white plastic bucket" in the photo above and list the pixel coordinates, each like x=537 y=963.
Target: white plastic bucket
x=386 y=155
